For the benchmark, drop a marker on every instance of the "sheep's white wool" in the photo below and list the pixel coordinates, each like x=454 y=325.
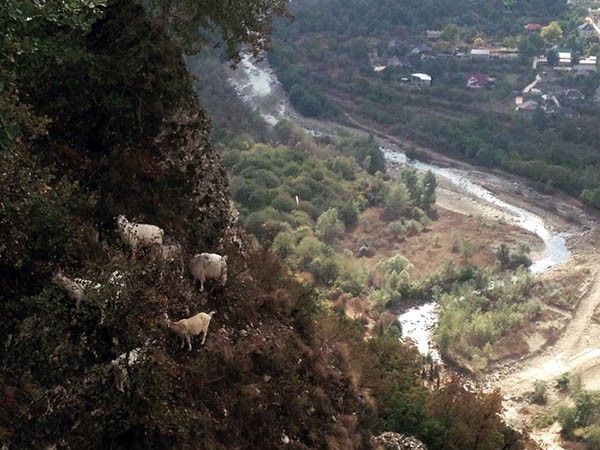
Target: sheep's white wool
x=192 y=326
x=208 y=265
x=138 y=235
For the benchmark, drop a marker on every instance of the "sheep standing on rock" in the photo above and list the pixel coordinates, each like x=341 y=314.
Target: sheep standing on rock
x=138 y=235
x=192 y=326
x=208 y=265
x=73 y=289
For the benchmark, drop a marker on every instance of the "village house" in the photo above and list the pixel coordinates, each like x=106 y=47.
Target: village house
x=587 y=65
x=480 y=53
x=564 y=56
x=528 y=106
x=586 y=30
x=478 y=81
x=420 y=51
x=573 y=95
x=433 y=34
x=532 y=27
x=420 y=79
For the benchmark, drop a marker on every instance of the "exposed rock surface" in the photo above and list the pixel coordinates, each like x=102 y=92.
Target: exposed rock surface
x=396 y=441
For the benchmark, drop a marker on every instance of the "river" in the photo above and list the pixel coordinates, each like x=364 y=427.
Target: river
x=257 y=85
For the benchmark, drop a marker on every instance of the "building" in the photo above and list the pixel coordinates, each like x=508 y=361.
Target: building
x=564 y=56
x=420 y=79
x=528 y=106
x=478 y=81
x=434 y=34
x=574 y=95
x=586 y=30
x=586 y=65
x=480 y=52
x=597 y=95
x=532 y=27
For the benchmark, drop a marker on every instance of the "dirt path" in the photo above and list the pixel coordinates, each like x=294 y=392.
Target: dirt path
x=578 y=348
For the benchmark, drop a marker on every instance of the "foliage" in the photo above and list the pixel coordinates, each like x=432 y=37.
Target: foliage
x=478 y=125
x=477 y=312
x=227 y=24
x=552 y=33
x=510 y=260
x=583 y=416
x=538 y=395
x=329 y=227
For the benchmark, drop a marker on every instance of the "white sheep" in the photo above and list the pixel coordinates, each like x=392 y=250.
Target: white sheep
x=87 y=285
x=208 y=265
x=138 y=235
x=192 y=326
x=119 y=367
x=73 y=289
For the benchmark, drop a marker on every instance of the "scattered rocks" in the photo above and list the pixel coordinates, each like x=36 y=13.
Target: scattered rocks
x=395 y=441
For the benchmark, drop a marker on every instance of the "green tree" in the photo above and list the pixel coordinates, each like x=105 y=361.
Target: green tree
x=411 y=180
x=552 y=58
x=329 y=226
x=230 y=24
x=397 y=200
x=428 y=197
x=552 y=33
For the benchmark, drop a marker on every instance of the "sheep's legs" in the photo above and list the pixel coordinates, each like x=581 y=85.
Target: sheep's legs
x=189 y=342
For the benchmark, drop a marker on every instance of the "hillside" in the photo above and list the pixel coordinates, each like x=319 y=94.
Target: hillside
x=99 y=119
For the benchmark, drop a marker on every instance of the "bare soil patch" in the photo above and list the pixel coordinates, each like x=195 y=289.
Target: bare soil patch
x=440 y=242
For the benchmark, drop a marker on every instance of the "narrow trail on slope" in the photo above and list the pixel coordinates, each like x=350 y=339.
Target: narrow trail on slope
x=578 y=347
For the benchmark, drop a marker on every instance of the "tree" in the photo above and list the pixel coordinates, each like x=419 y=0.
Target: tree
x=329 y=226
x=552 y=33
x=538 y=395
x=428 y=197
x=552 y=57
x=397 y=199
x=230 y=24
x=411 y=180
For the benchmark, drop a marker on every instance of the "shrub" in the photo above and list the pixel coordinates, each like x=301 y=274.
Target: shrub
x=539 y=393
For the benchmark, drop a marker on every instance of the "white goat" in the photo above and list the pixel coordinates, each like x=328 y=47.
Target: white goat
x=208 y=265
x=73 y=289
x=192 y=326
x=119 y=367
x=138 y=235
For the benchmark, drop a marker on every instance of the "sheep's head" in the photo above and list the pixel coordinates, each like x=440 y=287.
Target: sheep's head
x=167 y=321
x=121 y=220
x=58 y=278
x=212 y=313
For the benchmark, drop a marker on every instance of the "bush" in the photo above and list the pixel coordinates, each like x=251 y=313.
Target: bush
x=539 y=393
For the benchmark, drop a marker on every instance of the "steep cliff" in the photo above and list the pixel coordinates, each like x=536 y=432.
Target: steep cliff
x=122 y=133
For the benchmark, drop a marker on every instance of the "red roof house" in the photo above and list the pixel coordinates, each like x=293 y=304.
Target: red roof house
x=533 y=26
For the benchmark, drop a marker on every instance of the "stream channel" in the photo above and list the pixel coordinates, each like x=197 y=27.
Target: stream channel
x=257 y=85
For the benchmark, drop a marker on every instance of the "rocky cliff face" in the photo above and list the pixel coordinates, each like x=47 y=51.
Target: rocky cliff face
x=396 y=441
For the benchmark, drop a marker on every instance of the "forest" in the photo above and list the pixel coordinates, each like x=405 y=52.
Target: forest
x=326 y=64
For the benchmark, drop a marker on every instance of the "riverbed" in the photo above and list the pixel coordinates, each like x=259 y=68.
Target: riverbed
x=257 y=85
